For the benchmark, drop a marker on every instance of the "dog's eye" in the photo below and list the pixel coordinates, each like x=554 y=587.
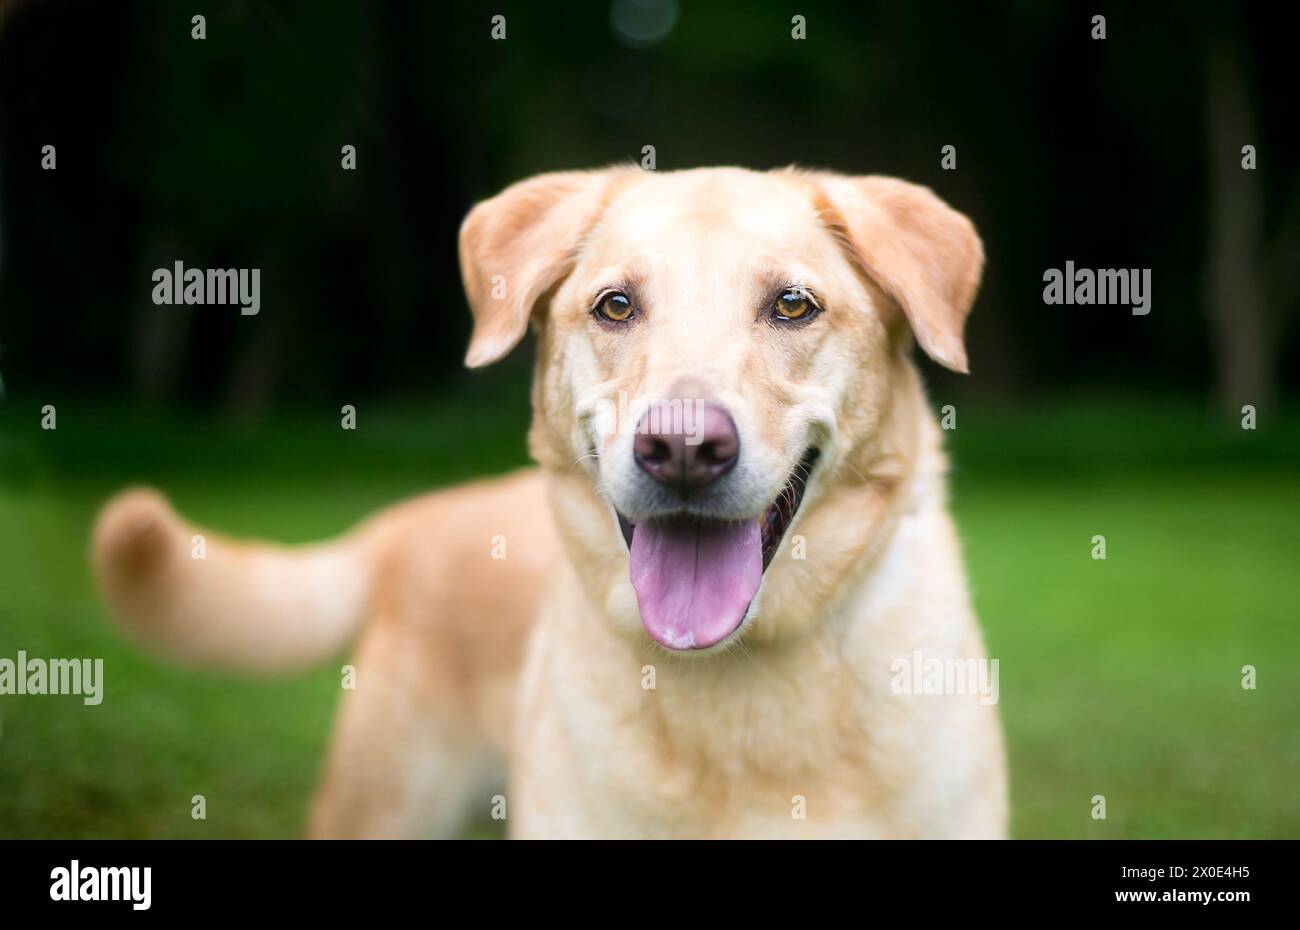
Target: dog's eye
x=615 y=307
x=793 y=305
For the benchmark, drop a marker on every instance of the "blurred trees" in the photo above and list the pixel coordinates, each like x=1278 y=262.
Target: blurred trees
x=225 y=153
x=1252 y=259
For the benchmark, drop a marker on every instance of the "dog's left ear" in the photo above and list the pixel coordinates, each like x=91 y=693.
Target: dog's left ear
x=517 y=246
x=924 y=254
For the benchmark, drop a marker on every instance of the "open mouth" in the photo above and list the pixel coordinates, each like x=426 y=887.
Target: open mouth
x=695 y=577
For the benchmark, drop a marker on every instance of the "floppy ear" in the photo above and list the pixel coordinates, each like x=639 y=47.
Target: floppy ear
x=515 y=247
x=924 y=254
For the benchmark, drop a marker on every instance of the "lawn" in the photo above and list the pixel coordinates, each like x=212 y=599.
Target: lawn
x=1119 y=678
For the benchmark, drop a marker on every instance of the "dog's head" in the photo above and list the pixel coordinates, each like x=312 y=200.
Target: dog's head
x=720 y=359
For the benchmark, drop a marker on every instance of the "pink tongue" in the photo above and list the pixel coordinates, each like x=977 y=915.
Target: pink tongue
x=694 y=580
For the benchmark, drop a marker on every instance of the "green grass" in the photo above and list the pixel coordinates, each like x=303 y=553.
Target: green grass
x=1118 y=677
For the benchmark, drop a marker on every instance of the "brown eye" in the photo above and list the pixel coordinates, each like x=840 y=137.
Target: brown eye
x=615 y=307
x=793 y=305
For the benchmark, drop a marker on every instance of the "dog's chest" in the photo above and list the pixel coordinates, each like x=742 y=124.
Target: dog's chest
x=797 y=742
x=763 y=754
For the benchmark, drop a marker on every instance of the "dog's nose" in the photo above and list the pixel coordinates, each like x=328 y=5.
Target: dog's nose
x=684 y=454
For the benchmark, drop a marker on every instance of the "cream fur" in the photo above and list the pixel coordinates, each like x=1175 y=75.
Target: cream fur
x=529 y=671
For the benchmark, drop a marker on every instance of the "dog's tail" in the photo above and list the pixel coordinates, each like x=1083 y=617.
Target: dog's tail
x=195 y=597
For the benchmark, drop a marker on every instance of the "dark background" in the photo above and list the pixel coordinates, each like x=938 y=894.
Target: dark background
x=1121 y=677
x=225 y=153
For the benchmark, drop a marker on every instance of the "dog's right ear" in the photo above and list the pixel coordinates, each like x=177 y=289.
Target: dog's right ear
x=922 y=252
x=517 y=246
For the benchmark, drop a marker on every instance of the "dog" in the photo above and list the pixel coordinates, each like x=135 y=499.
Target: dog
x=683 y=626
